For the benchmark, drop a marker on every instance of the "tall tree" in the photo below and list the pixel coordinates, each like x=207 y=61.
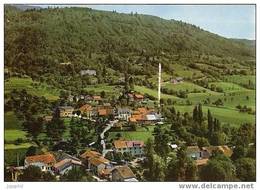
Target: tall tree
x=210 y=123
x=246 y=169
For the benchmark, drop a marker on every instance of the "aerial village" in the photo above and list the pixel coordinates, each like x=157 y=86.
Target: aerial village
x=94 y=161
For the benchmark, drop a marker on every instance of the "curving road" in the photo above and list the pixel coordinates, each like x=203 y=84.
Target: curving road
x=102 y=135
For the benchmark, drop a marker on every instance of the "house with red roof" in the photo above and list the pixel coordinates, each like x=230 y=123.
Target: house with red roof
x=43 y=161
x=86 y=110
x=63 y=166
x=136 y=148
x=95 y=162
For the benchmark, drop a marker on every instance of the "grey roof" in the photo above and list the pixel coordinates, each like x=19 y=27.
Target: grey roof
x=60 y=155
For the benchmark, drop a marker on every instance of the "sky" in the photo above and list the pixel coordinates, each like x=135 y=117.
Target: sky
x=231 y=21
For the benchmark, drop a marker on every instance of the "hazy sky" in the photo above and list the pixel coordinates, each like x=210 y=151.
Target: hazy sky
x=232 y=21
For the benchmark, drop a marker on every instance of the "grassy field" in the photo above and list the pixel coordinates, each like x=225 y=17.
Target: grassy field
x=103 y=87
x=228 y=86
x=153 y=93
x=141 y=134
x=233 y=95
x=40 y=89
x=187 y=86
x=13 y=155
x=240 y=79
x=185 y=71
x=11 y=121
x=20 y=146
x=13 y=134
x=225 y=115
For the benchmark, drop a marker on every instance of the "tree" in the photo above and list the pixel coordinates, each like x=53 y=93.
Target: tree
x=55 y=128
x=31 y=151
x=200 y=114
x=103 y=94
x=191 y=171
x=182 y=161
x=246 y=169
x=195 y=114
x=161 y=140
x=31 y=173
x=218 y=168
x=202 y=141
x=118 y=156
x=210 y=123
x=76 y=174
x=245 y=135
x=47 y=176
x=171 y=173
x=127 y=156
x=218 y=138
x=131 y=83
x=238 y=152
x=158 y=172
x=33 y=126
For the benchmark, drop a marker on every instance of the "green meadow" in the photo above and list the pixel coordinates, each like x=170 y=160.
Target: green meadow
x=32 y=87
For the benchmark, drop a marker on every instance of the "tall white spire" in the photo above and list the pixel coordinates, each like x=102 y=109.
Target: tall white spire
x=159 y=85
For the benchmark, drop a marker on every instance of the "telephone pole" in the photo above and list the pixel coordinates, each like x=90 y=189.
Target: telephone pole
x=159 y=86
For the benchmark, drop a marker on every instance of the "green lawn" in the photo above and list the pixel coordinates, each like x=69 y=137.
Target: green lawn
x=153 y=93
x=40 y=89
x=13 y=146
x=13 y=134
x=141 y=134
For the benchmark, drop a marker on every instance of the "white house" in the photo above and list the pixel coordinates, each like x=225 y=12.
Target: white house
x=65 y=165
x=124 y=113
x=136 y=148
x=43 y=161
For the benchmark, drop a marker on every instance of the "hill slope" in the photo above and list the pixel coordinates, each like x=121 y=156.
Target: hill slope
x=85 y=29
x=37 y=41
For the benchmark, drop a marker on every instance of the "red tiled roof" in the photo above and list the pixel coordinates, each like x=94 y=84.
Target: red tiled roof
x=138 y=96
x=102 y=112
x=45 y=158
x=225 y=149
x=201 y=162
x=128 y=144
x=97 y=97
x=98 y=160
x=135 y=143
x=85 y=108
x=142 y=110
x=120 y=144
x=131 y=119
x=90 y=154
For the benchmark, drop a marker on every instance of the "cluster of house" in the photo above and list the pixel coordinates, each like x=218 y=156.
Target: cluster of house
x=88 y=98
x=202 y=155
x=177 y=80
x=59 y=163
x=144 y=116
x=103 y=167
x=135 y=97
x=89 y=72
x=140 y=115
